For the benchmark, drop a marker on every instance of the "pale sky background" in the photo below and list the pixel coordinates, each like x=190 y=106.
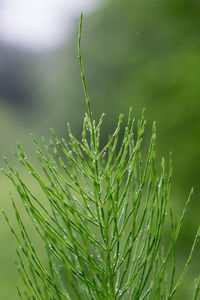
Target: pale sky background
x=39 y=24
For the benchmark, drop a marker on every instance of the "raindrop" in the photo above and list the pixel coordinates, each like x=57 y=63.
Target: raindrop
x=159 y=185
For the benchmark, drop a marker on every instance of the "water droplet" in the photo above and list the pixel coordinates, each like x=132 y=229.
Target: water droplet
x=159 y=185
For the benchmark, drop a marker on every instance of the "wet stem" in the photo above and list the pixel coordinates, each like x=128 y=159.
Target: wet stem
x=104 y=225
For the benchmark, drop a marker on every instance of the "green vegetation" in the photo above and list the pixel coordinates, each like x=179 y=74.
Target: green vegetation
x=141 y=53
x=102 y=222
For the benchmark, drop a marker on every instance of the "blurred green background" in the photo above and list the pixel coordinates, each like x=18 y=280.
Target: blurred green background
x=141 y=53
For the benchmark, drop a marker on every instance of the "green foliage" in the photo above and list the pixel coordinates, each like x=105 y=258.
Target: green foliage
x=103 y=226
x=141 y=53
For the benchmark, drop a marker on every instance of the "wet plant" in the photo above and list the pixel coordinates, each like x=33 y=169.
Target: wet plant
x=103 y=227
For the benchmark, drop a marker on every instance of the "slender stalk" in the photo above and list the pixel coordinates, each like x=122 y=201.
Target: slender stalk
x=102 y=217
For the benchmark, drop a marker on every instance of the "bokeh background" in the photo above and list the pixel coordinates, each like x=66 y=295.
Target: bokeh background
x=141 y=53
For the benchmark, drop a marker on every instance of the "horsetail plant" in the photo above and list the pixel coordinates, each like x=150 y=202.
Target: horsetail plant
x=103 y=227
